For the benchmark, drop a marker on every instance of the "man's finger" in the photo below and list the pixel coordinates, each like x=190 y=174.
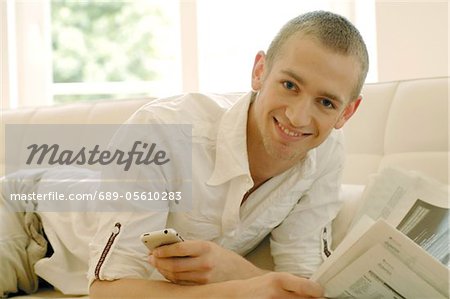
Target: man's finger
x=179 y=264
x=180 y=249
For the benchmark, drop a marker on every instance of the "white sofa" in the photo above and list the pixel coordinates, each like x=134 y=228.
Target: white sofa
x=402 y=124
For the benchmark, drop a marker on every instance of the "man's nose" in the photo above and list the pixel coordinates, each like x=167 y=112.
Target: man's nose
x=299 y=112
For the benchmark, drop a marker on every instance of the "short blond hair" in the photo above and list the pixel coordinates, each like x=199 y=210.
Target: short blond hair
x=334 y=31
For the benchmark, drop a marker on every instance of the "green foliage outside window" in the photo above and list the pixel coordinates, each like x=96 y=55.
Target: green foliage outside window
x=98 y=41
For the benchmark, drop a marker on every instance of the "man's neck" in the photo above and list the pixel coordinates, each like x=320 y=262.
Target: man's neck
x=263 y=166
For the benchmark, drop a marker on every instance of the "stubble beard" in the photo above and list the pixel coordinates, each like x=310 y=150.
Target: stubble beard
x=281 y=152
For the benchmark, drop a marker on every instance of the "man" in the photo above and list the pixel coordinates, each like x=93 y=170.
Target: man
x=280 y=140
x=267 y=163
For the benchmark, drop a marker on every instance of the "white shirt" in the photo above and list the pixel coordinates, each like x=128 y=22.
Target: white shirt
x=293 y=207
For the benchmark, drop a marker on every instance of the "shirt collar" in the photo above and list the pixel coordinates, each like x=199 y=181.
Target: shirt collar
x=231 y=146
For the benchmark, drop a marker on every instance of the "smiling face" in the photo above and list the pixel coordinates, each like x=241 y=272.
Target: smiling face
x=302 y=96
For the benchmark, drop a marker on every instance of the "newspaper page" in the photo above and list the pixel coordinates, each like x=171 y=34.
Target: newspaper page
x=391 y=193
x=379 y=274
x=382 y=193
x=428 y=226
x=382 y=263
x=418 y=206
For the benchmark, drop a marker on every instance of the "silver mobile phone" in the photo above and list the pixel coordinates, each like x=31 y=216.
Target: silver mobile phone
x=161 y=237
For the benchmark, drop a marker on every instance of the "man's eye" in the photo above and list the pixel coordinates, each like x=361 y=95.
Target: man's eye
x=327 y=103
x=289 y=85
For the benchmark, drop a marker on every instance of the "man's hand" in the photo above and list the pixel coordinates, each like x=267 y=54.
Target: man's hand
x=201 y=262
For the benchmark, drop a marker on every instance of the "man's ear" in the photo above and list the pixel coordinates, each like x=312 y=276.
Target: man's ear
x=348 y=112
x=258 y=70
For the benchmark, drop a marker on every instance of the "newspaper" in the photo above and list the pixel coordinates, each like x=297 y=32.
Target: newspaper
x=402 y=254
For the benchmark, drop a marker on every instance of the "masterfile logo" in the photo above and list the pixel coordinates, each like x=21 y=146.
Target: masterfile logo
x=99 y=167
x=141 y=153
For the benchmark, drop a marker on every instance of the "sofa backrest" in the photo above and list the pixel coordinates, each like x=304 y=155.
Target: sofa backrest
x=402 y=124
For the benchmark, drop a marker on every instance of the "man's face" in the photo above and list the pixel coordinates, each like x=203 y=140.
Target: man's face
x=301 y=98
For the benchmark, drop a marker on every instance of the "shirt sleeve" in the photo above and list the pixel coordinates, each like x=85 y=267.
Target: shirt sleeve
x=296 y=244
x=116 y=250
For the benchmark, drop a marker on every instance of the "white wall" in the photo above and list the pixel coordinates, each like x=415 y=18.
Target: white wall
x=412 y=39
x=4 y=84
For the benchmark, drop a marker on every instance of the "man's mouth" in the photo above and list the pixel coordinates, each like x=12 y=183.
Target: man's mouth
x=287 y=131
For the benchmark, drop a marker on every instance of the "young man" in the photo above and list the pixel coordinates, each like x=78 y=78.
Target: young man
x=271 y=165
x=268 y=162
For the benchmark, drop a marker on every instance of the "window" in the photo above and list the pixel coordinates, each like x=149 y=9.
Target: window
x=64 y=50
x=114 y=49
